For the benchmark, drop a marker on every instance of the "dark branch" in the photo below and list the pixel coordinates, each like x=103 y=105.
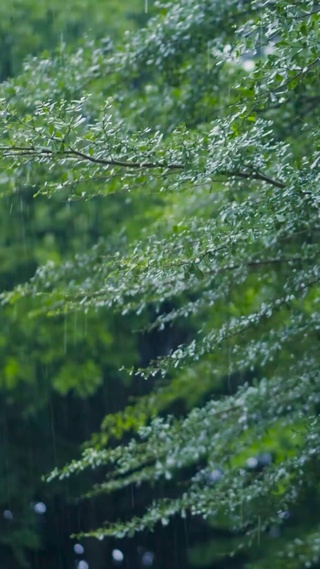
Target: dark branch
x=74 y=153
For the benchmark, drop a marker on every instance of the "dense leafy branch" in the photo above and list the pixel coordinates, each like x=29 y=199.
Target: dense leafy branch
x=232 y=249
x=66 y=152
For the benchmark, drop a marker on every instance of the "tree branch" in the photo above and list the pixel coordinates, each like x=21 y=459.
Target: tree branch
x=13 y=151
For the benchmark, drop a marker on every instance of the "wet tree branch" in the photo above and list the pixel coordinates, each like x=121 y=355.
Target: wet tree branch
x=73 y=153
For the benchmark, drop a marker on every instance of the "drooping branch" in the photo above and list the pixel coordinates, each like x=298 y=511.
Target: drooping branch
x=72 y=154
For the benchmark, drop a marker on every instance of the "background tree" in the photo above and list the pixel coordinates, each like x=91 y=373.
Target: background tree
x=56 y=375
x=29 y=27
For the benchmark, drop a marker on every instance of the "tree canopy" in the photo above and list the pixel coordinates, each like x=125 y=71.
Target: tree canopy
x=206 y=124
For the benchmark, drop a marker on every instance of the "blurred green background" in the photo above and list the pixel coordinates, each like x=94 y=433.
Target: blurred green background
x=59 y=378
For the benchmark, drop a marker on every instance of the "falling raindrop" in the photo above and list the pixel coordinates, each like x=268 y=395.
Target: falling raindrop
x=265 y=459
x=65 y=335
x=40 y=508
x=78 y=548
x=8 y=515
x=147 y=558
x=83 y=564
x=215 y=475
x=252 y=462
x=117 y=555
x=248 y=65
x=208 y=56
x=283 y=515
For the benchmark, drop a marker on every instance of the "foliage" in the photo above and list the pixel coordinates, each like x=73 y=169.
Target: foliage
x=29 y=27
x=51 y=368
x=232 y=249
